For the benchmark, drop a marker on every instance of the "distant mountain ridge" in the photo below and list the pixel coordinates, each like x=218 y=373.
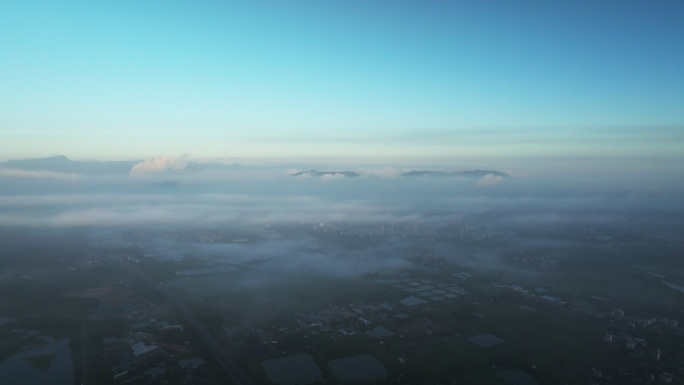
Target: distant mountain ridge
x=62 y=164
x=323 y=173
x=463 y=174
x=416 y=173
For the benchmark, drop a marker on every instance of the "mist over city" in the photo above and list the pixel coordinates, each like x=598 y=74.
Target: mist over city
x=343 y=192
x=256 y=272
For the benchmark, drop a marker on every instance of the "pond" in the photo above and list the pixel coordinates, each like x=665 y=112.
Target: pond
x=516 y=377
x=363 y=367
x=47 y=364
x=295 y=369
x=486 y=340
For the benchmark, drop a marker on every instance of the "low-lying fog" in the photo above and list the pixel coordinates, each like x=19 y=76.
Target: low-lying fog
x=280 y=234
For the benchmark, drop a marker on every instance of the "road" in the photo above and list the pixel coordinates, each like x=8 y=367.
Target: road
x=84 y=353
x=237 y=375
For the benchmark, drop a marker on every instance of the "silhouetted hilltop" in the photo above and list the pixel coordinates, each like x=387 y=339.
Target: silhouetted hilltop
x=464 y=174
x=416 y=173
x=322 y=173
x=62 y=164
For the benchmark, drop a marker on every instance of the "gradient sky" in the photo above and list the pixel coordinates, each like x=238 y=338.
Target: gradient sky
x=351 y=79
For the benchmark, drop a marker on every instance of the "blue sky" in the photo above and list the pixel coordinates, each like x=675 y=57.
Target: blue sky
x=346 y=79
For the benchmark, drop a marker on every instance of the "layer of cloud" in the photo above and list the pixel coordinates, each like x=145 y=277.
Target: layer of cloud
x=164 y=211
x=18 y=173
x=211 y=199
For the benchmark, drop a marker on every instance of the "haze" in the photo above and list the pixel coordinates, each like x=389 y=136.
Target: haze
x=341 y=192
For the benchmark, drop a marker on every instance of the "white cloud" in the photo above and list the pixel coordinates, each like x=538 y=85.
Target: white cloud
x=382 y=172
x=160 y=164
x=489 y=180
x=332 y=176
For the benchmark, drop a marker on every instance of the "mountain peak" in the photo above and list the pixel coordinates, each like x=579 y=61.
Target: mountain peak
x=323 y=173
x=466 y=173
x=58 y=158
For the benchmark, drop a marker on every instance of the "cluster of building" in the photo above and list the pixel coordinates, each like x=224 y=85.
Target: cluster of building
x=142 y=355
x=638 y=375
x=113 y=302
x=144 y=351
x=651 y=324
x=541 y=262
x=535 y=295
x=413 y=229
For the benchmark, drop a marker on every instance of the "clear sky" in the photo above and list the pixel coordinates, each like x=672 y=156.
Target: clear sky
x=367 y=79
